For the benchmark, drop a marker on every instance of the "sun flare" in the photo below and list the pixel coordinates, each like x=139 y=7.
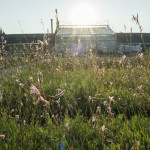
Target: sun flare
x=83 y=14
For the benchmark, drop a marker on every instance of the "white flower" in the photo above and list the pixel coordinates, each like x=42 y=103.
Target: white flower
x=105 y=103
x=58 y=101
x=21 y=85
x=31 y=79
x=111 y=99
x=103 y=128
x=98 y=109
x=17 y=80
x=111 y=83
x=141 y=55
x=40 y=42
x=90 y=98
x=123 y=57
x=67 y=125
x=93 y=119
x=24 y=122
x=17 y=116
x=140 y=87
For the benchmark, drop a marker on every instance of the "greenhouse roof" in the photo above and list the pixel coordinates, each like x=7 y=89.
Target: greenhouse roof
x=85 y=30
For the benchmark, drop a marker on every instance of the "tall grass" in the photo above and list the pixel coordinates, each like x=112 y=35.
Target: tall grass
x=94 y=103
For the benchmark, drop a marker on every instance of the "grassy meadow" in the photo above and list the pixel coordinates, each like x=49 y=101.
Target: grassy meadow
x=70 y=103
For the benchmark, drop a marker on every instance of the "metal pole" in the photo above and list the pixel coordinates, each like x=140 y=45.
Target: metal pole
x=52 y=26
x=130 y=40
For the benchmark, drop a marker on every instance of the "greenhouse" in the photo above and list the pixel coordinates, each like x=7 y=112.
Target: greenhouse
x=78 y=40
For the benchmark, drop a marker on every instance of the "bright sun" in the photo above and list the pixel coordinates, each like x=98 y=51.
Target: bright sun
x=83 y=14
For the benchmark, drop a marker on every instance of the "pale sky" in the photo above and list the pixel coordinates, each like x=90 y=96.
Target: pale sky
x=29 y=13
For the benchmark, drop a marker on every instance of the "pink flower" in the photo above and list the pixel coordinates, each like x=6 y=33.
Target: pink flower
x=44 y=101
x=33 y=89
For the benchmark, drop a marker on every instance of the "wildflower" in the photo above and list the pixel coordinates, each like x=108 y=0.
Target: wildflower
x=17 y=116
x=111 y=99
x=90 y=98
x=33 y=89
x=58 y=101
x=98 y=109
x=46 y=103
x=105 y=103
x=40 y=42
x=14 y=76
x=111 y=83
x=137 y=144
x=70 y=106
x=2 y=136
x=93 y=119
x=67 y=126
x=103 y=130
x=21 y=85
x=17 y=80
x=45 y=42
x=21 y=104
x=123 y=57
x=60 y=94
x=140 y=87
x=141 y=55
x=24 y=122
x=31 y=79
x=109 y=109
x=42 y=116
